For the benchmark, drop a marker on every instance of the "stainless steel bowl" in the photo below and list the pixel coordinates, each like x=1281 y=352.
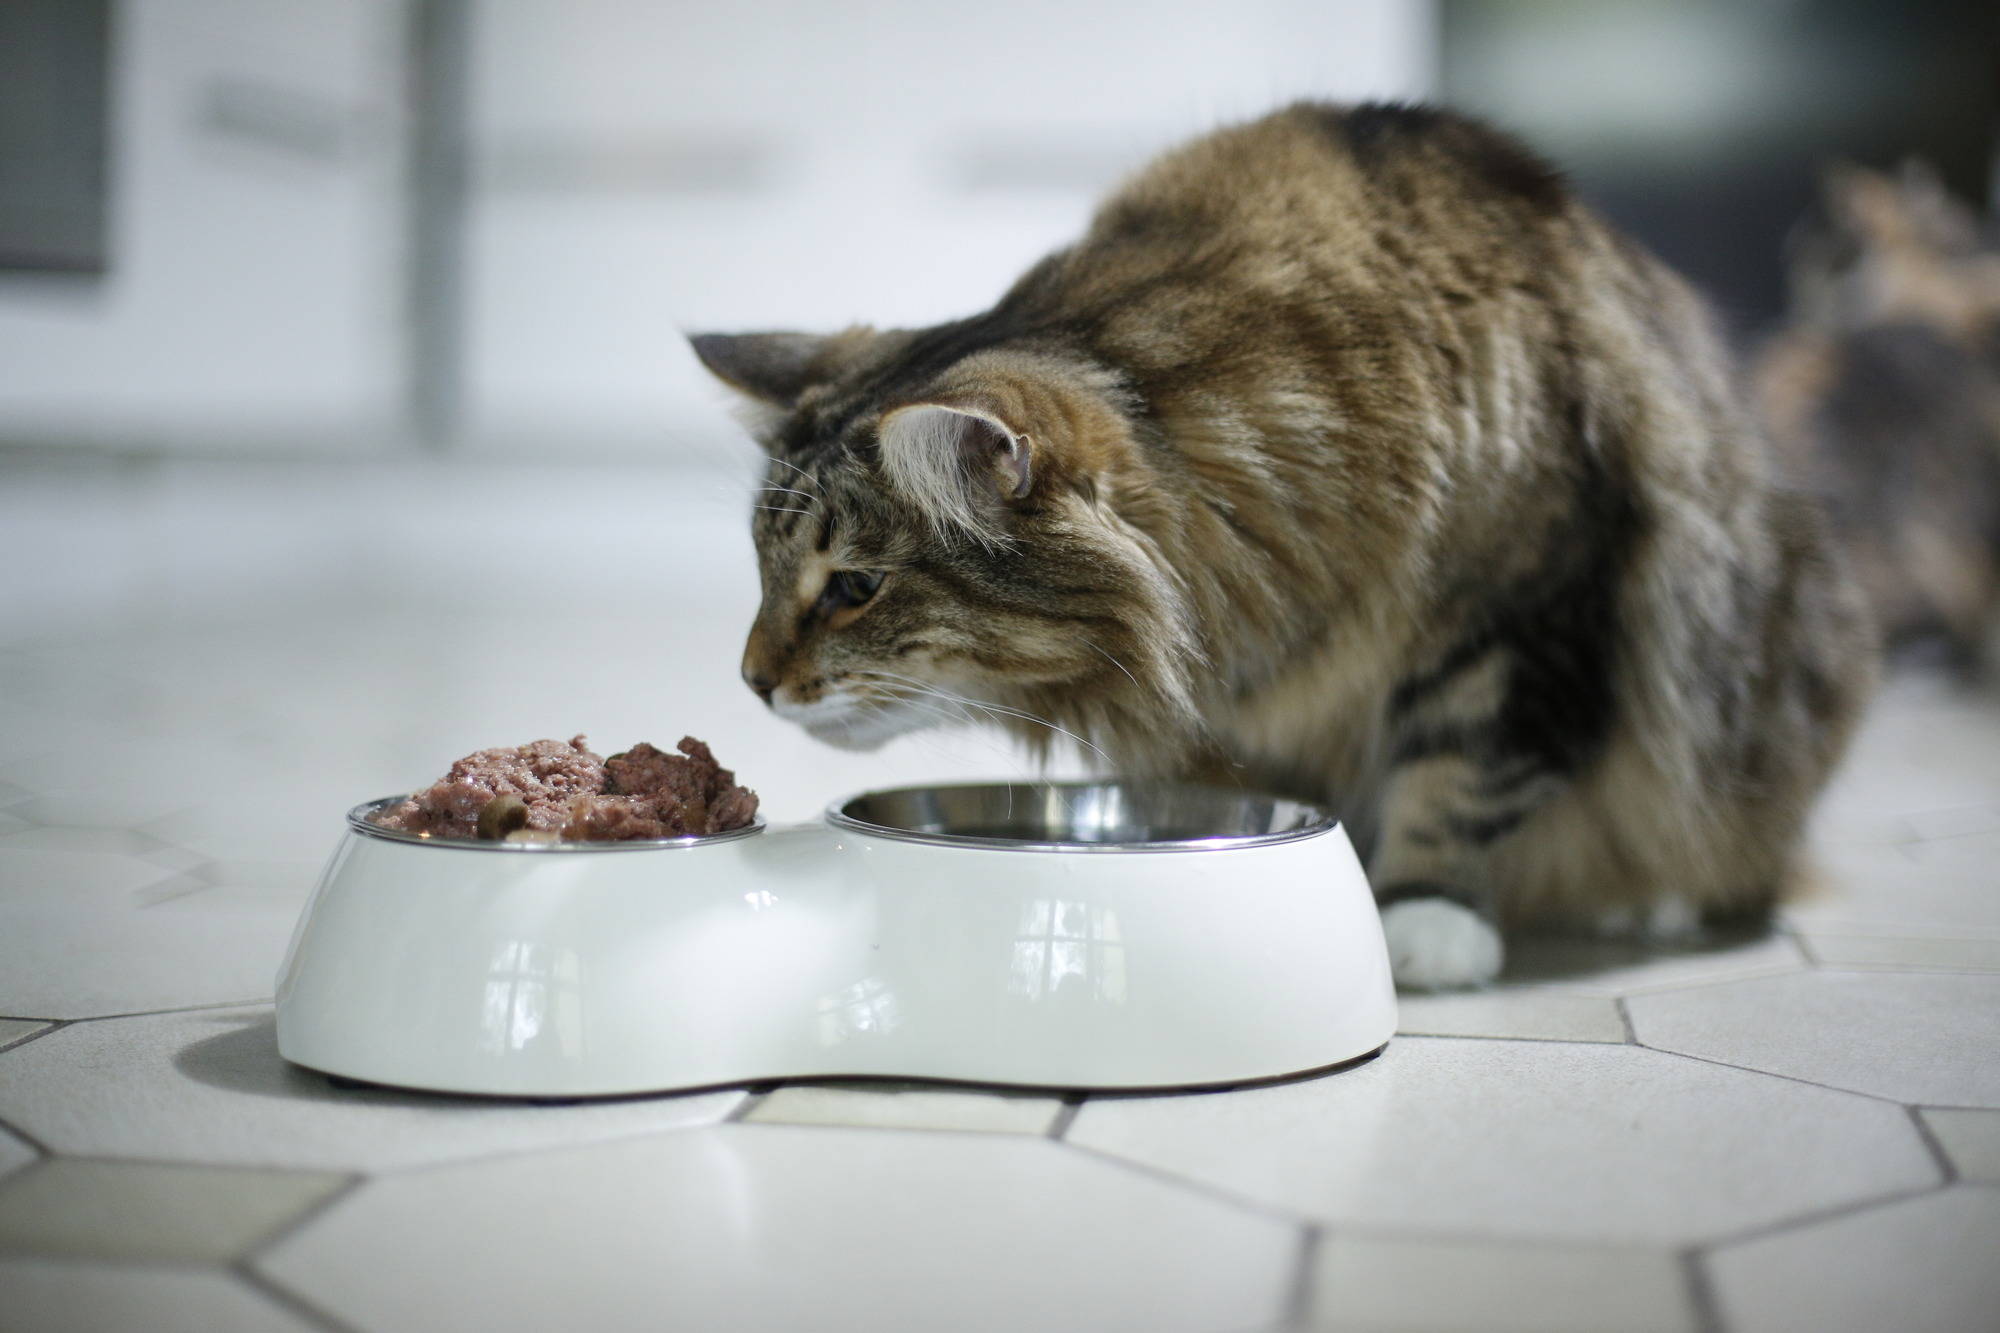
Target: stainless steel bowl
x=1081 y=816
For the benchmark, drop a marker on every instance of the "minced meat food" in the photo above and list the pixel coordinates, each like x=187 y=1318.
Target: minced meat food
x=559 y=790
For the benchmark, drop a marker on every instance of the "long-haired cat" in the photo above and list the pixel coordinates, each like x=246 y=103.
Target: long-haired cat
x=1883 y=387
x=1348 y=456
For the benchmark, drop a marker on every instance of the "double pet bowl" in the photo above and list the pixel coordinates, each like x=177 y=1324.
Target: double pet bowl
x=1102 y=935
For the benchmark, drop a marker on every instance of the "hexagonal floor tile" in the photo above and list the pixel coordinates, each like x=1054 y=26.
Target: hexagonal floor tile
x=62 y=1296
x=781 y=1228
x=211 y=1087
x=1375 y=1283
x=1913 y=1037
x=1556 y=1140
x=1924 y=1265
x=72 y=962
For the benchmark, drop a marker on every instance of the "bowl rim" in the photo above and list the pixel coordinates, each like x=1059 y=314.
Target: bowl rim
x=1320 y=821
x=358 y=822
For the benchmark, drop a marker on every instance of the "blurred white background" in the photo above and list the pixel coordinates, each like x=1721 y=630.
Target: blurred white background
x=384 y=279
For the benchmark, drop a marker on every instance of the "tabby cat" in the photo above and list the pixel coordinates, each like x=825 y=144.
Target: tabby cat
x=1346 y=456
x=1884 y=388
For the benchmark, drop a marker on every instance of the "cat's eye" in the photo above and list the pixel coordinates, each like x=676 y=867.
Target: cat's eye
x=849 y=587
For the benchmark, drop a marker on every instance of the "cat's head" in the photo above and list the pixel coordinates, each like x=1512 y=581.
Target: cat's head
x=1880 y=248
x=947 y=535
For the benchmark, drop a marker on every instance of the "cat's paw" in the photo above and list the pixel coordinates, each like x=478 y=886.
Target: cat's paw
x=1434 y=944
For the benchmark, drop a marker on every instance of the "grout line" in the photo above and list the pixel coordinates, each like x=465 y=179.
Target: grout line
x=1065 y=1116
x=1930 y=1138
x=1701 y=1291
x=1789 y=969
x=1485 y=1036
x=1908 y=969
x=1956 y=1106
x=287 y=1299
x=54 y=1025
x=1625 y=1017
x=264 y=1003
x=24 y=1136
x=277 y=1234
x=201 y=1164
x=1829 y=1214
x=426 y=1165
x=1299 y=1300
x=1276 y=1212
x=1766 y=1073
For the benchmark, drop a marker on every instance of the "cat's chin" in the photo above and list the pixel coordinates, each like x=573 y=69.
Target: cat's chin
x=841 y=738
x=862 y=733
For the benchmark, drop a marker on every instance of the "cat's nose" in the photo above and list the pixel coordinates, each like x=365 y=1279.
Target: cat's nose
x=763 y=685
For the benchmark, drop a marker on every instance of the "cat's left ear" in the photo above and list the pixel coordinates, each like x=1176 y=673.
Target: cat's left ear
x=772 y=368
x=958 y=462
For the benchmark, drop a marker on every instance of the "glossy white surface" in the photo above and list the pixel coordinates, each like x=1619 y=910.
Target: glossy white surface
x=808 y=951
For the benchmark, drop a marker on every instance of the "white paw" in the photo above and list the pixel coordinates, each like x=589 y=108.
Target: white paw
x=1435 y=944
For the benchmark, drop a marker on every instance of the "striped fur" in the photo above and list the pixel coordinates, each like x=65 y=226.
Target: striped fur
x=1362 y=463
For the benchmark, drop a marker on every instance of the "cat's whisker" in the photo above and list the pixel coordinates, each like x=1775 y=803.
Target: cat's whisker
x=1002 y=710
x=811 y=480
x=951 y=713
x=783 y=509
x=807 y=496
x=1114 y=662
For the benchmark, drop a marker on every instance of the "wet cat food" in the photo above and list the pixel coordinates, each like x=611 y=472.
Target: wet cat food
x=560 y=791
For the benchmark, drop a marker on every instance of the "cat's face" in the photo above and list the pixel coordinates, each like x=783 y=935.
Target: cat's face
x=926 y=558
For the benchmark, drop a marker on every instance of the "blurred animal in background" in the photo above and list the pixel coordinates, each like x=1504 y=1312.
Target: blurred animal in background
x=1883 y=388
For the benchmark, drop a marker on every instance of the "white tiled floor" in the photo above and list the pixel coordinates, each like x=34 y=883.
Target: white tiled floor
x=1791 y=1130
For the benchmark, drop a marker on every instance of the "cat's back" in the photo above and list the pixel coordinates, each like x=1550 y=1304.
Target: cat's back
x=1336 y=188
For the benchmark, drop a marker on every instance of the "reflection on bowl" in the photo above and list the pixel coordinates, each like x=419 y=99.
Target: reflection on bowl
x=361 y=819
x=1080 y=817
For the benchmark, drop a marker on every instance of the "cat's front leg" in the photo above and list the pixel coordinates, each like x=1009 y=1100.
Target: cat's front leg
x=1441 y=814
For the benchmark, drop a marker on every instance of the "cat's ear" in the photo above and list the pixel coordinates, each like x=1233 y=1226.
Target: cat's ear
x=958 y=462
x=771 y=368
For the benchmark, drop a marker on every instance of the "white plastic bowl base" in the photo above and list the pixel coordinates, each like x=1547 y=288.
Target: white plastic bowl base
x=821 y=950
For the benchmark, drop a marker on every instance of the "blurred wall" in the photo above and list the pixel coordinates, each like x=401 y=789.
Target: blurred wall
x=641 y=169
x=615 y=172
x=252 y=292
